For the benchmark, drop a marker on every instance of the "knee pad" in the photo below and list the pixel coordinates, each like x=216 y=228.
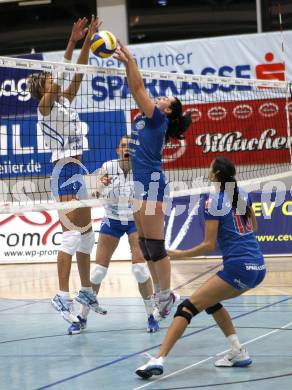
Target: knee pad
x=141 y=272
x=185 y=314
x=86 y=243
x=213 y=309
x=70 y=242
x=98 y=274
x=156 y=249
x=143 y=248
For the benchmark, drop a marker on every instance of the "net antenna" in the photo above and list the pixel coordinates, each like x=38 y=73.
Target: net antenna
x=285 y=75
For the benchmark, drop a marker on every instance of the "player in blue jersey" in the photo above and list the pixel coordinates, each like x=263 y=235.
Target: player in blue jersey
x=229 y=220
x=160 y=120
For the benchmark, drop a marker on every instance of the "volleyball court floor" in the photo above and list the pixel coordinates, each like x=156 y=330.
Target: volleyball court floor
x=37 y=353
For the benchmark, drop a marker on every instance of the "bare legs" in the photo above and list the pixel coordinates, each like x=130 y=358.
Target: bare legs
x=211 y=292
x=74 y=220
x=149 y=219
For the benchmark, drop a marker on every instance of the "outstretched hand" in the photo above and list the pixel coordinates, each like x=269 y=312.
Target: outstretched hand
x=79 y=30
x=94 y=25
x=122 y=53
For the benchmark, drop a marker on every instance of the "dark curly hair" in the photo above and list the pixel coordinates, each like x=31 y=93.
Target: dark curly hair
x=36 y=84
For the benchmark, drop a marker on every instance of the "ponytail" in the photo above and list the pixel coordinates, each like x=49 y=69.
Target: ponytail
x=178 y=122
x=225 y=173
x=239 y=205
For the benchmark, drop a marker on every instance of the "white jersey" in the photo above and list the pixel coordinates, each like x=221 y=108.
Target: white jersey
x=119 y=194
x=62 y=131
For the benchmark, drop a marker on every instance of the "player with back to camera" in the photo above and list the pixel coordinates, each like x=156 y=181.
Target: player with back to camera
x=160 y=120
x=231 y=221
x=115 y=188
x=63 y=134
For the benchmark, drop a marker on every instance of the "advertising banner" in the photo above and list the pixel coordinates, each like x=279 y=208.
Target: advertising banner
x=248 y=132
x=248 y=56
x=36 y=237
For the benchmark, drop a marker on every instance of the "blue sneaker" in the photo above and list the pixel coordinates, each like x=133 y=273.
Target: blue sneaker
x=65 y=307
x=77 y=327
x=89 y=299
x=153 y=325
x=153 y=367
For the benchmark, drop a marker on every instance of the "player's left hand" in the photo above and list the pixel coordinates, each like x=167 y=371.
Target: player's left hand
x=94 y=25
x=79 y=30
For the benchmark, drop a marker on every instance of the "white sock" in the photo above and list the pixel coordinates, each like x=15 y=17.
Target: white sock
x=64 y=294
x=164 y=294
x=148 y=306
x=88 y=289
x=156 y=288
x=84 y=312
x=234 y=342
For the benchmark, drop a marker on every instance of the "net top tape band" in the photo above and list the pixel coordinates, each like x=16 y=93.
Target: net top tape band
x=9 y=62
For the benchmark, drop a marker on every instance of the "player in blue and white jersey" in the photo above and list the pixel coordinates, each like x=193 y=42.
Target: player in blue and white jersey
x=231 y=222
x=64 y=135
x=160 y=120
x=116 y=189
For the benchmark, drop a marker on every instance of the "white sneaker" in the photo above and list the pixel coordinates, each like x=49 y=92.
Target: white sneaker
x=153 y=367
x=89 y=299
x=166 y=305
x=65 y=307
x=235 y=359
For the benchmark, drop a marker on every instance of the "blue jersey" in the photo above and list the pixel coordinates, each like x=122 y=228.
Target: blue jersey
x=236 y=238
x=147 y=141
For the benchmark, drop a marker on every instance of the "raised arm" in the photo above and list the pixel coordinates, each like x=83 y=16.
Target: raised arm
x=135 y=81
x=52 y=91
x=208 y=245
x=78 y=32
x=49 y=97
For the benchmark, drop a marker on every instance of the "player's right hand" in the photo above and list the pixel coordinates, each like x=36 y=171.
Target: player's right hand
x=106 y=180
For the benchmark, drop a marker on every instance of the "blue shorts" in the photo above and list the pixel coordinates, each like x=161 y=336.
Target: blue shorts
x=115 y=228
x=243 y=274
x=150 y=186
x=68 y=179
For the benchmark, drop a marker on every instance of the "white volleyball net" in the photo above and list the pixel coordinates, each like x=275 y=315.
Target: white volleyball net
x=246 y=120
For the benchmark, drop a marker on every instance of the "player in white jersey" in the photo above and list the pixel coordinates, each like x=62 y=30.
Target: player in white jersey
x=63 y=134
x=117 y=191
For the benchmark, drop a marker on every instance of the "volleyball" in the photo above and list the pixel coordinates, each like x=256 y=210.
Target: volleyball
x=103 y=44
